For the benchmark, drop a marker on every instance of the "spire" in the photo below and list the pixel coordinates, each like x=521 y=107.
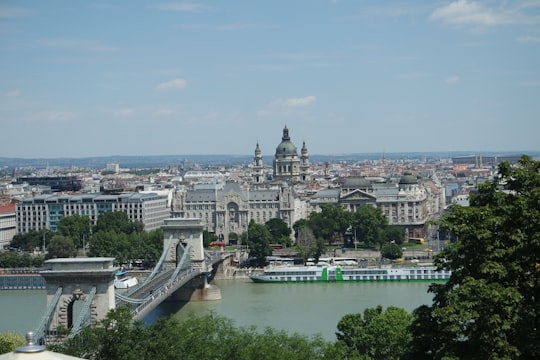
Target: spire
x=285 y=134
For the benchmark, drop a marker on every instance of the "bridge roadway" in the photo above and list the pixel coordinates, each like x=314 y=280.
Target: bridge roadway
x=144 y=298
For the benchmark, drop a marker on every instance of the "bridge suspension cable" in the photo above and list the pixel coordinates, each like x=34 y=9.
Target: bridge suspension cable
x=158 y=266
x=46 y=318
x=84 y=317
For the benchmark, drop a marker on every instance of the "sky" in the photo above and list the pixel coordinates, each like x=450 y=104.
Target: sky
x=104 y=78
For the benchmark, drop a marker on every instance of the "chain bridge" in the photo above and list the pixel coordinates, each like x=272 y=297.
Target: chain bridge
x=80 y=291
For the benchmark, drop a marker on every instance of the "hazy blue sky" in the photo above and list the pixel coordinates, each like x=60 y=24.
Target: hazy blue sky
x=91 y=78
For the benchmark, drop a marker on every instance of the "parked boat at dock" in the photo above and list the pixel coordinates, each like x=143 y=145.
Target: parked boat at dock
x=123 y=281
x=296 y=274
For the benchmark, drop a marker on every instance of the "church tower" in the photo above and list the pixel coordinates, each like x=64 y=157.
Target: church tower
x=304 y=163
x=286 y=162
x=258 y=175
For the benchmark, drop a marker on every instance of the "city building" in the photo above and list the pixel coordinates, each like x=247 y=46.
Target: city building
x=287 y=166
x=43 y=212
x=405 y=203
x=227 y=208
x=8 y=224
x=57 y=183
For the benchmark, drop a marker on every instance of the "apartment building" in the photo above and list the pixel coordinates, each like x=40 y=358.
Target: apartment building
x=44 y=212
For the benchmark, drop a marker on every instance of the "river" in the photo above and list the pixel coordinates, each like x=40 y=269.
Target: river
x=309 y=309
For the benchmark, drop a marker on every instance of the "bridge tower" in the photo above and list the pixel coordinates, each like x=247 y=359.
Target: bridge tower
x=80 y=291
x=185 y=231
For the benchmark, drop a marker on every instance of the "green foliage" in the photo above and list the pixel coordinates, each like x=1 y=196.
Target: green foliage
x=32 y=240
x=307 y=245
x=279 y=230
x=208 y=238
x=259 y=242
x=377 y=335
x=203 y=337
x=9 y=341
x=391 y=251
x=393 y=233
x=118 y=222
x=125 y=247
x=369 y=222
x=489 y=308
x=19 y=260
x=77 y=227
x=61 y=247
x=330 y=224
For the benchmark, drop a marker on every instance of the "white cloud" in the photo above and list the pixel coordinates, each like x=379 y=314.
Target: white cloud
x=162 y=112
x=464 y=12
x=170 y=85
x=124 y=112
x=529 y=39
x=182 y=6
x=12 y=12
x=77 y=44
x=452 y=79
x=13 y=93
x=296 y=102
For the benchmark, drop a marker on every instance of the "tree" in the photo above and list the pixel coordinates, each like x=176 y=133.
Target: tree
x=377 y=335
x=259 y=243
x=279 y=230
x=391 y=251
x=61 y=247
x=393 y=233
x=489 y=307
x=77 y=227
x=9 y=341
x=331 y=223
x=369 y=222
x=32 y=240
x=197 y=337
x=308 y=246
x=118 y=222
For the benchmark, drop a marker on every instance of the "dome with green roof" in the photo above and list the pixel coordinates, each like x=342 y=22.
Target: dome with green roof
x=408 y=178
x=286 y=148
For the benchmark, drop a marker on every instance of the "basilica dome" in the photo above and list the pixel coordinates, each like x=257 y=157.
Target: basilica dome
x=286 y=148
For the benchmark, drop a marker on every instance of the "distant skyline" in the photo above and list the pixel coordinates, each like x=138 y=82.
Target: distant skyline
x=105 y=78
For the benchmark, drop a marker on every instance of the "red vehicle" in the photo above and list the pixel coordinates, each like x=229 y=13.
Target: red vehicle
x=217 y=244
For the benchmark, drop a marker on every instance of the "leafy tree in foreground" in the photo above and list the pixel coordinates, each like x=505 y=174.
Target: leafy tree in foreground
x=198 y=337
x=9 y=341
x=489 y=308
x=377 y=335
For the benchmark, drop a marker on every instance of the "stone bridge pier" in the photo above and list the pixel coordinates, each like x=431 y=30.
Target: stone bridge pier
x=80 y=280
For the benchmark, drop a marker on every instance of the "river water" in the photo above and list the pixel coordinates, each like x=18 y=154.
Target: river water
x=308 y=309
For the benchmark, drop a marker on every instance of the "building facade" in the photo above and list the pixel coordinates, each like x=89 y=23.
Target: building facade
x=8 y=224
x=44 y=212
x=227 y=208
x=287 y=166
x=405 y=204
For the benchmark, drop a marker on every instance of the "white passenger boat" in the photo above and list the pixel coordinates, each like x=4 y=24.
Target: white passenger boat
x=123 y=281
x=294 y=274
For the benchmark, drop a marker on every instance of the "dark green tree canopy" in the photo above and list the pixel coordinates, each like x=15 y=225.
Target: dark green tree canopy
x=61 y=247
x=259 y=242
x=377 y=335
x=490 y=306
x=77 y=227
